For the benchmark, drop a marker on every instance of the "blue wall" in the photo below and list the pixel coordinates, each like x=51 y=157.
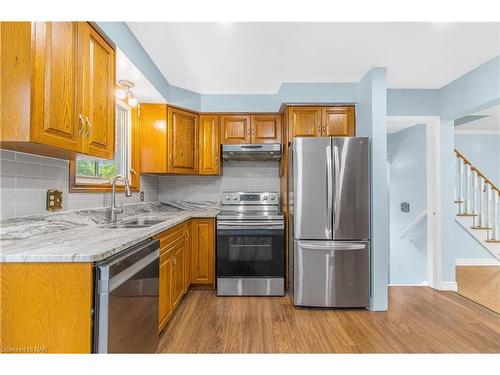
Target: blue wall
x=412 y=102
x=371 y=116
x=126 y=41
x=483 y=150
x=407 y=183
x=472 y=92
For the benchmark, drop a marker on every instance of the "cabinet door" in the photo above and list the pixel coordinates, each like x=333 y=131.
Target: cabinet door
x=235 y=129
x=182 y=137
x=338 y=121
x=209 y=145
x=153 y=150
x=305 y=121
x=203 y=250
x=99 y=99
x=265 y=129
x=57 y=107
x=187 y=255
x=164 y=291
x=178 y=278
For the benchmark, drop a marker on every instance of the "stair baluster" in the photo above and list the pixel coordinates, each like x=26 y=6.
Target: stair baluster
x=482 y=203
x=496 y=224
x=461 y=186
x=467 y=202
x=475 y=188
x=488 y=205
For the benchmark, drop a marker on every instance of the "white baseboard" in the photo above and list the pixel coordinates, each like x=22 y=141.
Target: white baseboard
x=424 y=283
x=448 y=285
x=477 y=262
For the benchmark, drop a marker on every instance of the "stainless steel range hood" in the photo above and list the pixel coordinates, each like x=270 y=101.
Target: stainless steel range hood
x=257 y=152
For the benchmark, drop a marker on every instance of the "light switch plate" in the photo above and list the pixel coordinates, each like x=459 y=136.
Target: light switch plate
x=54 y=200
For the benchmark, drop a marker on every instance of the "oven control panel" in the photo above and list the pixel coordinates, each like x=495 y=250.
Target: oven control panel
x=260 y=198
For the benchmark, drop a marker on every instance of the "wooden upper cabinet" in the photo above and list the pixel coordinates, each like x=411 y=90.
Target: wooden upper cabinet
x=153 y=144
x=265 y=129
x=99 y=101
x=209 y=145
x=338 y=121
x=235 y=129
x=182 y=141
x=305 y=121
x=57 y=90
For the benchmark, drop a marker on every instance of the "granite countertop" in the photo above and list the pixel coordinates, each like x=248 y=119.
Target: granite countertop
x=85 y=236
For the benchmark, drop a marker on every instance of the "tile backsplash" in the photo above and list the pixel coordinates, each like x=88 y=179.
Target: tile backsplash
x=25 y=179
x=237 y=175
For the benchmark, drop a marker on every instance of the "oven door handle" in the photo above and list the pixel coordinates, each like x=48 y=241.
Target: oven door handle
x=250 y=225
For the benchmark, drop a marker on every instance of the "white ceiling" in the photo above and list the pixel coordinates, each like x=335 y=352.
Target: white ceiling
x=490 y=124
x=244 y=58
x=143 y=90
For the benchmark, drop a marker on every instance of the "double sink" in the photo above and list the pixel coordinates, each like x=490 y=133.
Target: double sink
x=136 y=223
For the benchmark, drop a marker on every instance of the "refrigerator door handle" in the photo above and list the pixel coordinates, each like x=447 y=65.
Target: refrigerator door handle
x=329 y=192
x=336 y=160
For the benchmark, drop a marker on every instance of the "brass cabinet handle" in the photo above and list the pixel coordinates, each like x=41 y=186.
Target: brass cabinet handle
x=90 y=126
x=82 y=124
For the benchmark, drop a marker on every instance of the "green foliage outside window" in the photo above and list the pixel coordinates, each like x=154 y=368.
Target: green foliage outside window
x=85 y=168
x=108 y=169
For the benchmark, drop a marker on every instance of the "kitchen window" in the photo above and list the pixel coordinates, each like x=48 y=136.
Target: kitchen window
x=88 y=174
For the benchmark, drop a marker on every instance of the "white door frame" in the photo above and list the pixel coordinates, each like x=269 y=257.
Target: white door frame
x=433 y=174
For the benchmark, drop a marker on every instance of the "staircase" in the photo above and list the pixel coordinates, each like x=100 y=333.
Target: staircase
x=478 y=204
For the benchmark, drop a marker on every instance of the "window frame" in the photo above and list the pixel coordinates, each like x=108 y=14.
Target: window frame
x=75 y=187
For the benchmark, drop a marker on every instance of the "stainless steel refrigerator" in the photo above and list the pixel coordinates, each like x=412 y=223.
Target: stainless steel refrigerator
x=329 y=221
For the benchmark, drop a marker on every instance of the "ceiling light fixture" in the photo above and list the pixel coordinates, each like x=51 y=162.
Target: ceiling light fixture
x=124 y=92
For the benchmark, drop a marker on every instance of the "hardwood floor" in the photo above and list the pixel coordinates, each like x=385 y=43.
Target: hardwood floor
x=419 y=320
x=480 y=284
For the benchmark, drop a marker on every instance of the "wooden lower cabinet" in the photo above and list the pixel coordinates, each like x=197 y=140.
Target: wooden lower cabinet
x=164 y=290
x=178 y=273
x=187 y=253
x=46 y=307
x=203 y=251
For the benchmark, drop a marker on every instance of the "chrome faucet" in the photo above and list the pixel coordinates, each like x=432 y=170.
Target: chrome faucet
x=128 y=193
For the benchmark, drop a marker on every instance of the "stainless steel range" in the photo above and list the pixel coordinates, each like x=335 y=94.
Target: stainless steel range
x=250 y=245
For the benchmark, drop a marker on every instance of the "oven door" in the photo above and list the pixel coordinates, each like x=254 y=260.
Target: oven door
x=250 y=249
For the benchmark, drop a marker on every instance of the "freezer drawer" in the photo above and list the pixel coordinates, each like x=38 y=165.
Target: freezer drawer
x=331 y=273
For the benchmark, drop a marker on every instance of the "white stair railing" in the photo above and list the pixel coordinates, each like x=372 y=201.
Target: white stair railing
x=478 y=197
x=421 y=217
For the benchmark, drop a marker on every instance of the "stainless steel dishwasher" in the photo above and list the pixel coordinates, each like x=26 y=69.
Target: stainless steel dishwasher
x=126 y=301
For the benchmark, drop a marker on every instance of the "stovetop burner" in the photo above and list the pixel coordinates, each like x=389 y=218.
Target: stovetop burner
x=250 y=206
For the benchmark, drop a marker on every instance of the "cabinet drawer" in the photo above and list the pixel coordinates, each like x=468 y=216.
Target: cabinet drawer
x=168 y=237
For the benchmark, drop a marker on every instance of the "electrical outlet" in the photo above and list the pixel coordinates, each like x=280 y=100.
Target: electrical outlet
x=141 y=196
x=54 y=200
